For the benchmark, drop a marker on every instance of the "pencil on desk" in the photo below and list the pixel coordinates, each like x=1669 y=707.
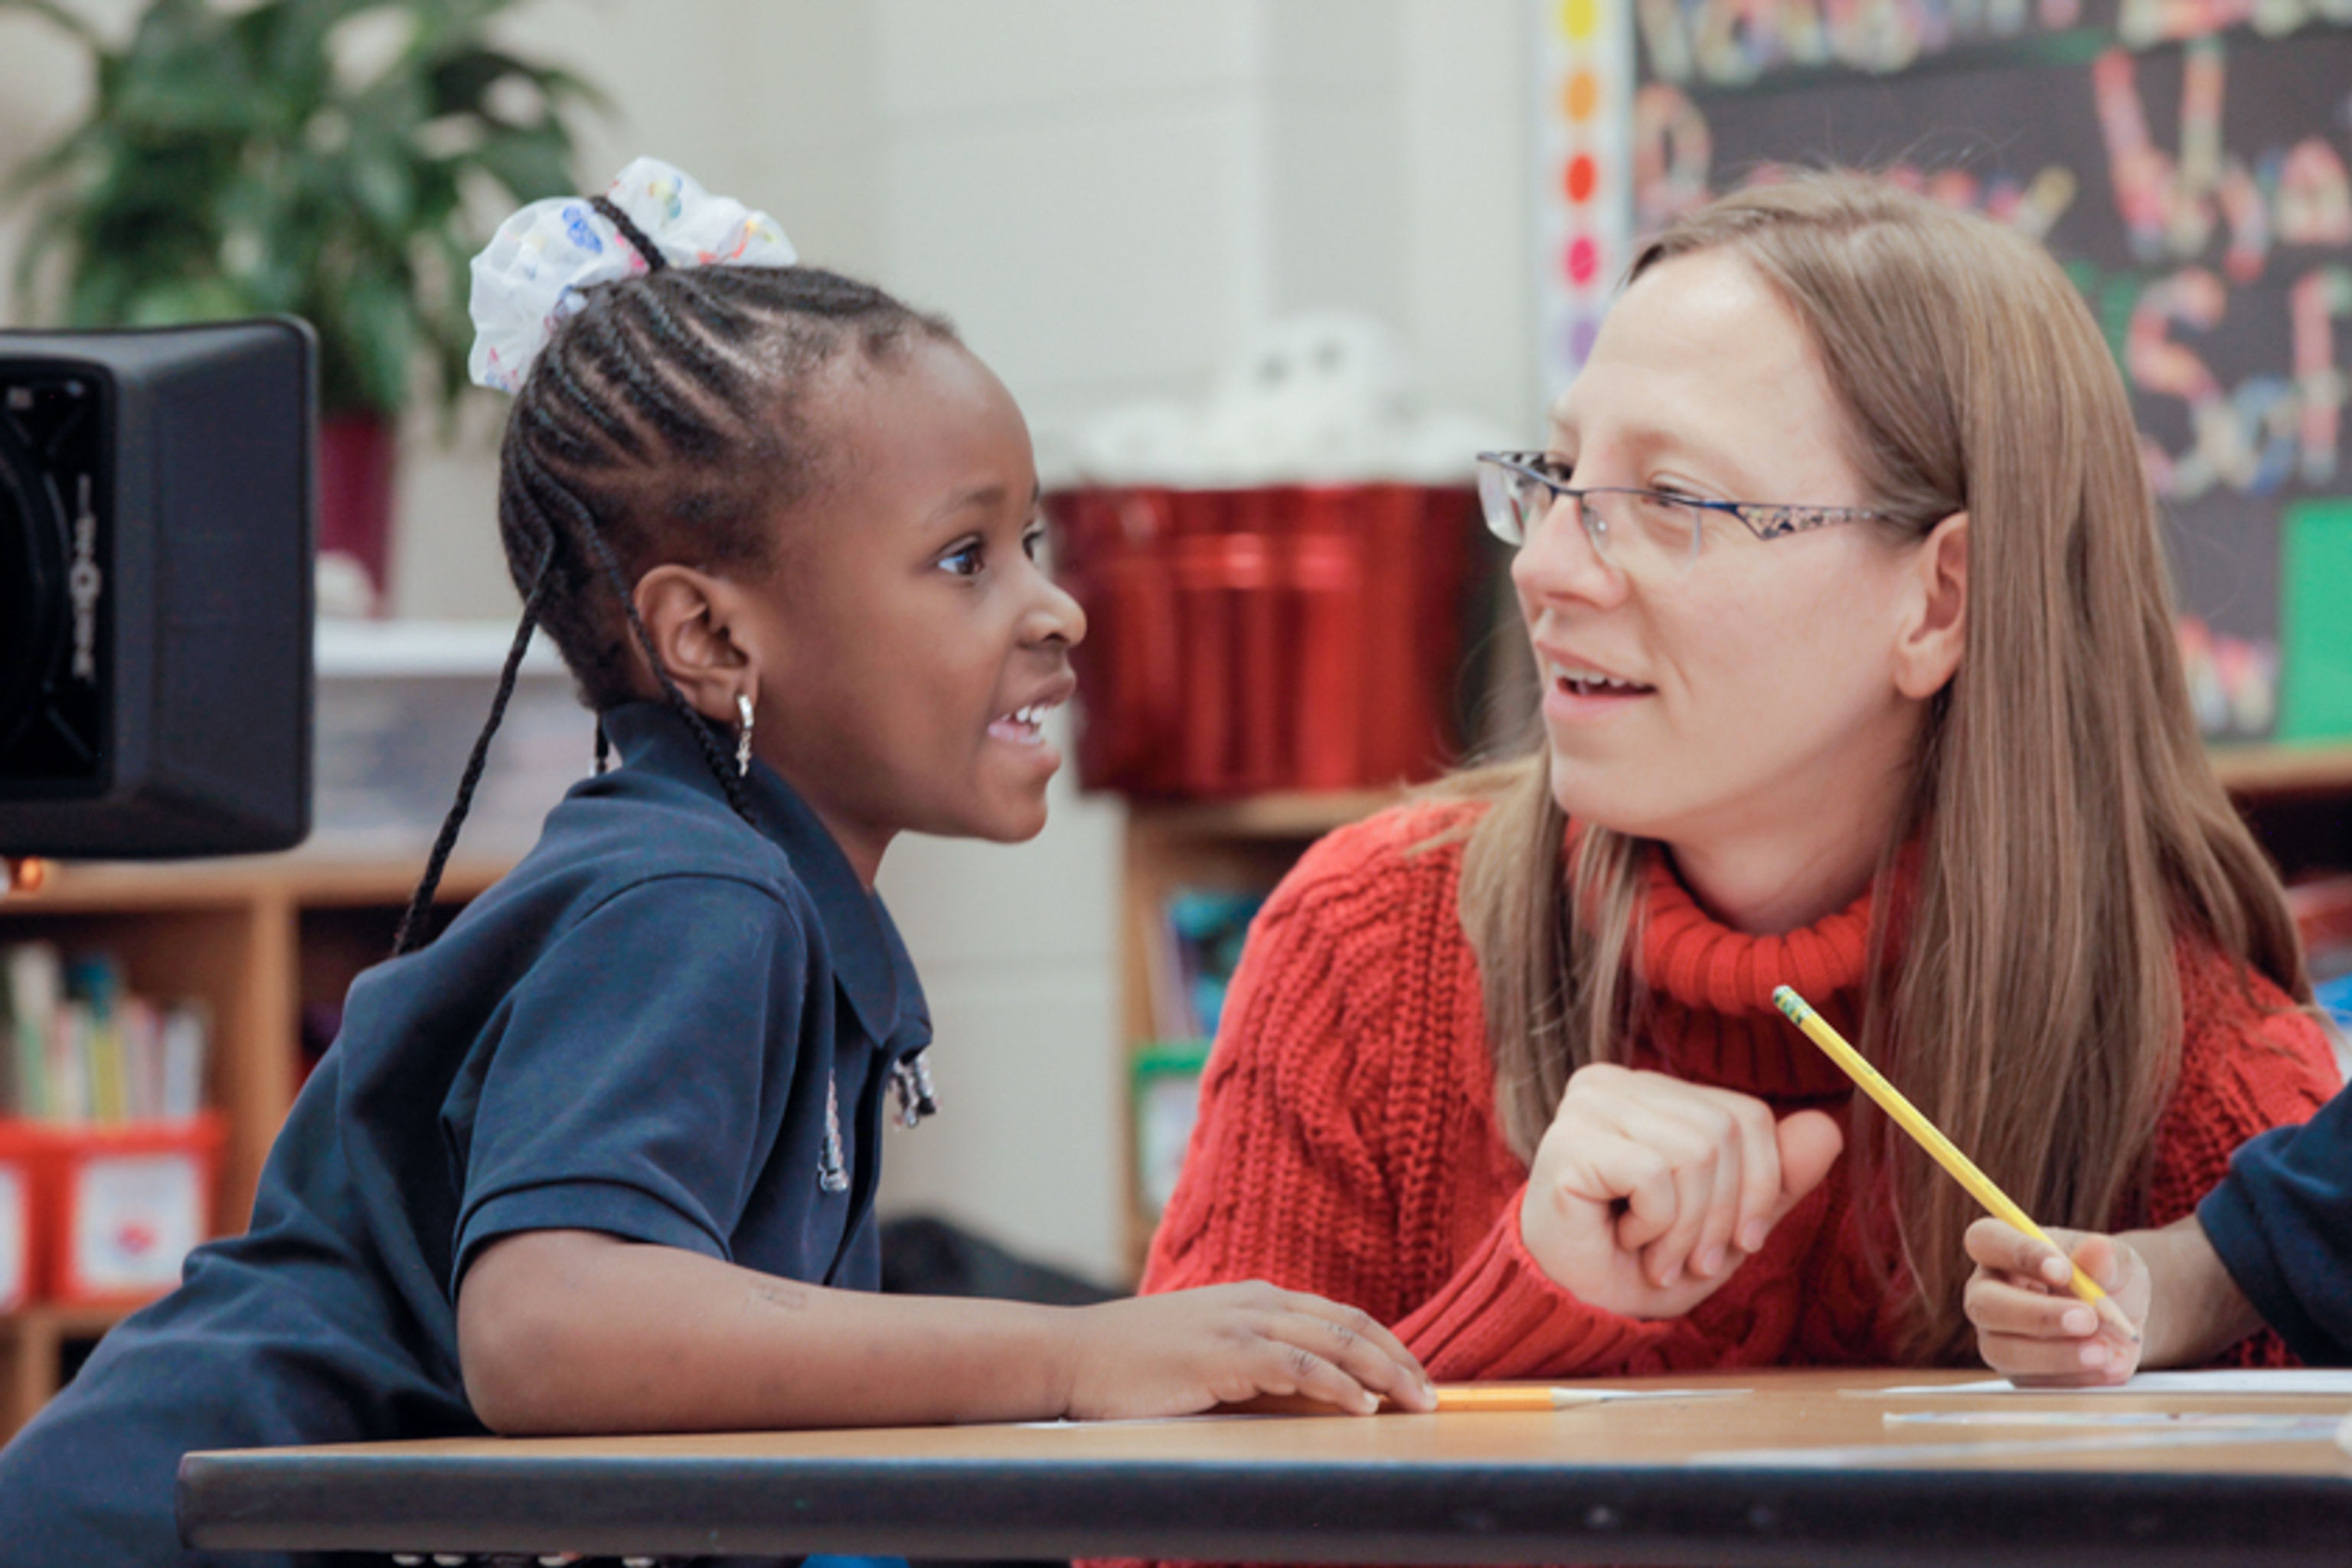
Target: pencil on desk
x=1964 y=1170
x=1513 y=1397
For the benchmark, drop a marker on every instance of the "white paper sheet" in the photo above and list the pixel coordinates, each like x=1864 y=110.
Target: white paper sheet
x=2268 y=1382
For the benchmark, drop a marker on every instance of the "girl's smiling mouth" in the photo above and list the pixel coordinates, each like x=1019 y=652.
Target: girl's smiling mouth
x=1025 y=725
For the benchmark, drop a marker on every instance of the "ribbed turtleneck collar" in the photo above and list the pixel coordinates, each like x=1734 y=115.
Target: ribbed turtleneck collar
x=1710 y=1014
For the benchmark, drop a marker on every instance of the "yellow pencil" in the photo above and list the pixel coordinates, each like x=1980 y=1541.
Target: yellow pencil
x=1512 y=1396
x=1538 y=1397
x=1963 y=1169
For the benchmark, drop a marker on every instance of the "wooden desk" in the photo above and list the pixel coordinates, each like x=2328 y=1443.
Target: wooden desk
x=1712 y=1480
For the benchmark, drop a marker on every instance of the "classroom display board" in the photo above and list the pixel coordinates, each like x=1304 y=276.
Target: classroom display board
x=2186 y=160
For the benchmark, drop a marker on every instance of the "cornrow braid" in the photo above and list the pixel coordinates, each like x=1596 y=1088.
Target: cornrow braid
x=663 y=422
x=410 y=935
x=695 y=723
x=638 y=239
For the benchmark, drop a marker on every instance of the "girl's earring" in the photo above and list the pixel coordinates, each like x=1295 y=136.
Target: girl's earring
x=742 y=733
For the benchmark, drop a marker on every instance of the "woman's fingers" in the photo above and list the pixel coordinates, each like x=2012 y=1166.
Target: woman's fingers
x=1665 y=1225
x=1807 y=1145
x=1754 y=1207
x=1697 y=1169
x=1745 y=1196
x=1646 y=1192
x=1710 y=1247
x=1636 y=1174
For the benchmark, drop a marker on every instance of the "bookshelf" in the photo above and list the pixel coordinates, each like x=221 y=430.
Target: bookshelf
x=2298 y=798
x=1231 y=845
x=2259 y=770
x=257 y=940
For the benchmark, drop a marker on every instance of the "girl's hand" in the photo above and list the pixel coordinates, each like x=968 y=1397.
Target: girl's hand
x=1173 y=1354
x=1648 y=1192
x=2035 y=1331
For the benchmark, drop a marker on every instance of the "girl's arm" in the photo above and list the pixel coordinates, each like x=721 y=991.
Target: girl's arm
x=575 y=1332
x=2250 y=1062
x=2033 y=1330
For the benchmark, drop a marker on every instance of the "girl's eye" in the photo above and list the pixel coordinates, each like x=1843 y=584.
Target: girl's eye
x=965 y=560
x=1032 y=543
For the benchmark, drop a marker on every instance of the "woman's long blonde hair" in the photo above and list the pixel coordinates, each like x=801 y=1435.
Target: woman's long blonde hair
x=2069 y=826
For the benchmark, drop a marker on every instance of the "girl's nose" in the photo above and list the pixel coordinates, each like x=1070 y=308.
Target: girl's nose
x=1559 y=563
x=1056 y=617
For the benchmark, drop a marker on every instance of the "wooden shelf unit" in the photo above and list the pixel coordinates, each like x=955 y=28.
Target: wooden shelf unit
x=255 y=940
x=1226 y=845
x=2316 y=768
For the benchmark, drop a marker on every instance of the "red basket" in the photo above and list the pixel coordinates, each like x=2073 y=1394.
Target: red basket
x=115 y=1209
x=19 y=1255
x=1290 y=637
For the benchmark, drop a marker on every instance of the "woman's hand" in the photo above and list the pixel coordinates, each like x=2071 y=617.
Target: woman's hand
x=1173 y=1354
x=1648 y=1192
x=2034 y=1331
x=22 y=876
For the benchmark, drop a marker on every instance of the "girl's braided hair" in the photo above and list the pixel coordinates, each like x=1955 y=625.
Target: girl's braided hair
x=662 y=422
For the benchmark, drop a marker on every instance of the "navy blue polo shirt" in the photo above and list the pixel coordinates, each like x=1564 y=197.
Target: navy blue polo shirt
x=2282 y=1222
x=637 y=1031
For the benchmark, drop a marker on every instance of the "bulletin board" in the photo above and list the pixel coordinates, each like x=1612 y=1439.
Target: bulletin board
x=2187 y=161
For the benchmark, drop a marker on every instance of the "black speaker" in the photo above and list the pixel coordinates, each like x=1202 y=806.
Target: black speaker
x=156 y=498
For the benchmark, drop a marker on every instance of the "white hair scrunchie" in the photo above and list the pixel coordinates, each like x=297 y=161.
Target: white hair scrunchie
x=532 y=273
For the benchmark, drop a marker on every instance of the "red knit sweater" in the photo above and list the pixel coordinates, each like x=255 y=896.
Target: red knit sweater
x=1348 y=1142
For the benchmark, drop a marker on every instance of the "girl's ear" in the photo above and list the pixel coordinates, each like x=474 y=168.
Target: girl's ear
x=691 y=617
x=1935 y=628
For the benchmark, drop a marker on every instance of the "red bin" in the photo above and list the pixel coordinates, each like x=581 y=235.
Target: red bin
x=1285 y=637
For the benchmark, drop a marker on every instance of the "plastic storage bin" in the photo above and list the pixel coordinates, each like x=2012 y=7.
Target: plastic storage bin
x=117 y=1208
x=399 y=704
x=1288 y=637
x=19 y=1278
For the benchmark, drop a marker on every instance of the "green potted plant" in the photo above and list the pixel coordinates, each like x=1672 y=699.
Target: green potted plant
x=328 y=159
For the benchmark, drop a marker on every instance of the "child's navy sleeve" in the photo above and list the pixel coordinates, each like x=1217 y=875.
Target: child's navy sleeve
x=2281 y=1221
x=640 y=1071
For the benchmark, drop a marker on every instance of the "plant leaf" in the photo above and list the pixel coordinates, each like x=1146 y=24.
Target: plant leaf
x=229 y=164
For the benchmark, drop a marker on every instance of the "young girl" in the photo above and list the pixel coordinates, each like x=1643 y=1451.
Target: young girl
x=1859 y=676
x=602 y=1157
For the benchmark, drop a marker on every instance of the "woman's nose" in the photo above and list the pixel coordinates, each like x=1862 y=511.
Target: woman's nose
x=1561 y=561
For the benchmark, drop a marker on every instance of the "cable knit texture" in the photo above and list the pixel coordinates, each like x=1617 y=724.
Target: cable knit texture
x=1347 y=1142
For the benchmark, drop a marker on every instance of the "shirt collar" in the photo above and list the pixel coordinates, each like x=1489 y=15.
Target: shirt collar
x=869 y=959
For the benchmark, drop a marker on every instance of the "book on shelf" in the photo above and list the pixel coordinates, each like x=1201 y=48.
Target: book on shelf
x=34 y=978
x=1167 y=1101
x=1200 y=943
x=1190 y=966
x=84 y=1048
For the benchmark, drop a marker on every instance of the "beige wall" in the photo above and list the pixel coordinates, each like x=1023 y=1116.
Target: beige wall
x=1109 y=196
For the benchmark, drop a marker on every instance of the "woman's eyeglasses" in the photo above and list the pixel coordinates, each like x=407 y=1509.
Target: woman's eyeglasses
x=1636 y=531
